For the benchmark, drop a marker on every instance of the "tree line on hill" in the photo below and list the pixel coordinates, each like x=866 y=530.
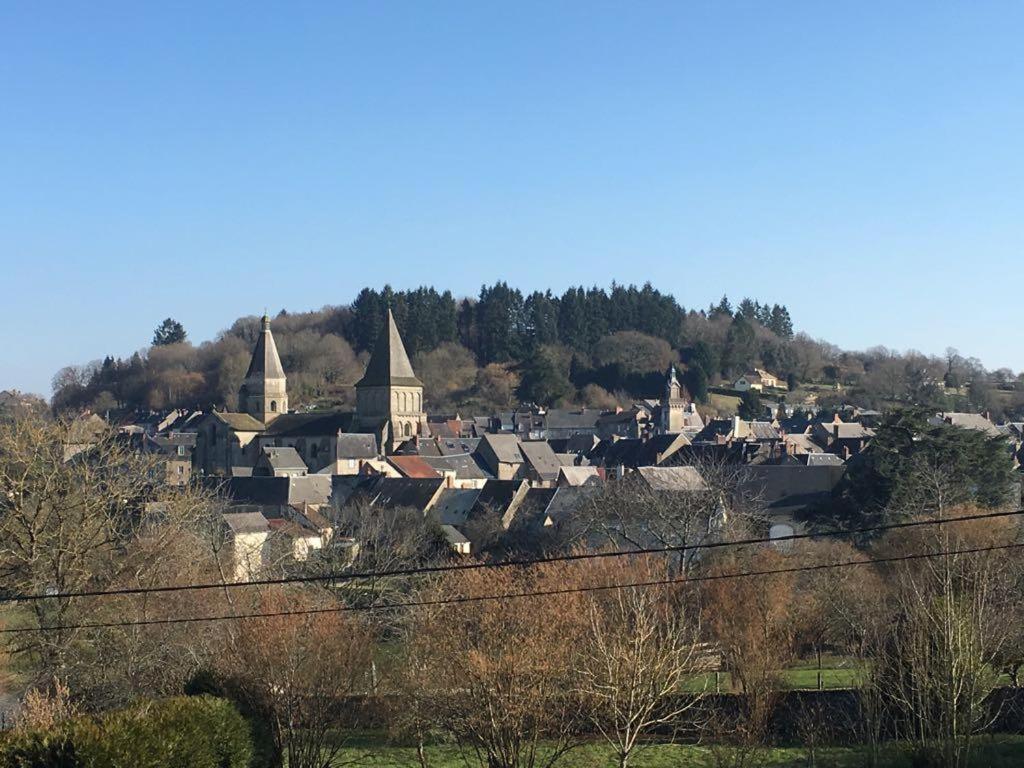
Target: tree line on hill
x=587 y=347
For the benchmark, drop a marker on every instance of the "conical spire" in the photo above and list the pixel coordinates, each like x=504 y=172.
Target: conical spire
x=389 y=363
x=265 y=363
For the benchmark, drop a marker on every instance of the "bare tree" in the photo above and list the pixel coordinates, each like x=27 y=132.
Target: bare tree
x=500 y=681
x=630 y=513
x=937 y=656
x=752 y=620
x=80 y=510
x=299 y=672
x=639 y=649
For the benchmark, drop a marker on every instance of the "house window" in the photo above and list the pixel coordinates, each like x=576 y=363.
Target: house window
x=181 y=450
x=408 y=429
x=351 y=463
x=273 y=405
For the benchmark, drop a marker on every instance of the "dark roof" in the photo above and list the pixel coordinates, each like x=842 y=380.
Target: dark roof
x=389 y=364
x=558 y=418
x=531 y=510
x=265 y=363
x=453 y=505
x=283 y=459
x=240 y=422
x=713 y=429
x=465 y=466
x=636 y=452
x=497 y=496
x=505 y=448
x=539 y=455
x=567 y=500
x=314 y=489
x=393 y=492
x=357 y=446
x=311 y=424
x=820 y=460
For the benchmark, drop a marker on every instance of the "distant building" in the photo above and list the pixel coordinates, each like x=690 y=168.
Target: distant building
x=389 y=410
x=758 y=380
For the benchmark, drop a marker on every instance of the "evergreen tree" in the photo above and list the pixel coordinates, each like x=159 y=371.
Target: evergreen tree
x=367 y=317
x=724 y=308
x=750 y=408
x=747 y=310
x=572 y=319
x=780 y=323
x=500 y=324
x=740 y=345
x=170 y=331
x=542 y=318
x=696 y=383
x=704 y=356
x=543 y=382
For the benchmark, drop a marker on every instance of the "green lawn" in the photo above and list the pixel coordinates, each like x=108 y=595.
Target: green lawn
x=1001 y=752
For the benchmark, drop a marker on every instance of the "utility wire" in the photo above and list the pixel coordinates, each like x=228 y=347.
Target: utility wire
x=511 y=595
x=435 y=569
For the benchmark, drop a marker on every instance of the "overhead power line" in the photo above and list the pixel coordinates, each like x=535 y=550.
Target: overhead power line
x=511 y=595
x=343 y=576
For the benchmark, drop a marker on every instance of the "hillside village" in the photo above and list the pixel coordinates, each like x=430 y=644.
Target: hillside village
x=529 y=470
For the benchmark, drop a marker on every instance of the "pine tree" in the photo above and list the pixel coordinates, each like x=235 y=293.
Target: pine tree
x=696 y=383
x=170 y=331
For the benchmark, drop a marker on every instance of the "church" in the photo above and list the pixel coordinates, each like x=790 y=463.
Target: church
x=389 y=410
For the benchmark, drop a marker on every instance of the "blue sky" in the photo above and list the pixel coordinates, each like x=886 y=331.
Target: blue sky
x=860 y=162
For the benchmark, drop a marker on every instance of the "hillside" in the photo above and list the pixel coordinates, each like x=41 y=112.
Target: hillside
x=591 y=347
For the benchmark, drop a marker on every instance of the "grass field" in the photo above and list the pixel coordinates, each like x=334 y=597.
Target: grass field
x=998 y=752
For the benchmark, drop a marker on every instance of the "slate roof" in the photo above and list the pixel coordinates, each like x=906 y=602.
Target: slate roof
x=356 y=446
x=634 y=452
x=560 y=418
x=578 y=476
x=313 y=489
x=311 y=424
x=977 y=421
x=393 y=492
x=453 y=505
x=241 y=422
x=285 y=459
x=566 y=501
x=497 y=496
x=505 y=448
x=538 y=454
x=821 y=460
x=672 y=478
x=265 y=362
x=465 y=466
x=389 y=364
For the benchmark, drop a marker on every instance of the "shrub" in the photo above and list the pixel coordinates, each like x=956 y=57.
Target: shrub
x=188 y=732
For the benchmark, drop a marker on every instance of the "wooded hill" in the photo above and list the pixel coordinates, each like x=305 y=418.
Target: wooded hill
x=592 y=347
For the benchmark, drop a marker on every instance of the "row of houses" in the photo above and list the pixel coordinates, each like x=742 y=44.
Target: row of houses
x=287 y=474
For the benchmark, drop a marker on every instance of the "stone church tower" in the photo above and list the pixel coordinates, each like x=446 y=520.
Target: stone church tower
x=673 y=404
x=264 y=393
x=389 y=398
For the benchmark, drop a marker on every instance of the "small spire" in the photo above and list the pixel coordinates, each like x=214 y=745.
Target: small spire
x=266 y=321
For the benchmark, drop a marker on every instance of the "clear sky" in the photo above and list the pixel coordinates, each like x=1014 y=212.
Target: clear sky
x=860 y=162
